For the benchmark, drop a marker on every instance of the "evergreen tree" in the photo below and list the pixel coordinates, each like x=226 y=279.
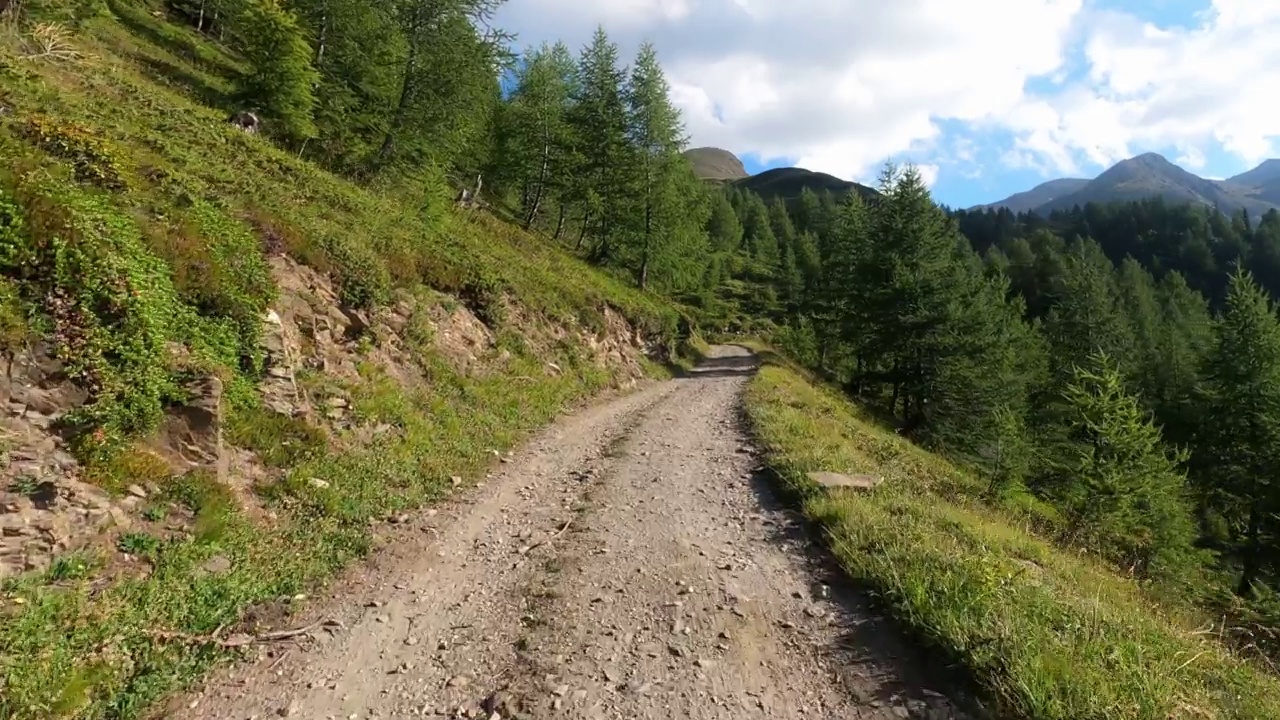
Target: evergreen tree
x=1186 y=337
x=536 y=139
x=1141 y=309
x=758 y=237
x=1086 y=317
x=599 y=120
x=357 y=50
x=667 y=229
x=281 y=79
x=447 y=80
x=1242 y=433
x=1124 y=495
x=723 y=227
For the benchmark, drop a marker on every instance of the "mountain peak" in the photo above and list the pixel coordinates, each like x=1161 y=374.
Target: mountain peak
x=1151 y=175
x=712 y=163
x=1267 y=172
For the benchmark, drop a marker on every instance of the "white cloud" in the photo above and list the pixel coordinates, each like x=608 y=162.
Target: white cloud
x=839 y=84
x=1190 y=89
x=928 y=173
x=842 y=85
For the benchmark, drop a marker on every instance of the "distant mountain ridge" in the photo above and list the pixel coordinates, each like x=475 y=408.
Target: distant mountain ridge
x=721 y=166
x=1148 y=176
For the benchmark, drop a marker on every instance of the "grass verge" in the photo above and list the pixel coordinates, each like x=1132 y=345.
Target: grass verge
x=1045 y=633
x=127 y=198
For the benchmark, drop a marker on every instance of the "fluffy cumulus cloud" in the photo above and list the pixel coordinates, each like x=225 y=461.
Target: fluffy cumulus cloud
x=841 y=85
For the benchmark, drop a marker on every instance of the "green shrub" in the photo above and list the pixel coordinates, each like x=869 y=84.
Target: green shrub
x=111 y=302
x=92 y=158
x=281 y=81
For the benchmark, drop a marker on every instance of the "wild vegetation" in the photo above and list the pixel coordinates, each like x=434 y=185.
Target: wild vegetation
x=1102 y=382
x=141 y=242
x=1117 y=411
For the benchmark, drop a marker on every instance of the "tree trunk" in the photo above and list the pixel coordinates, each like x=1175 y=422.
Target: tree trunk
x=532 y=214
x=560 y=221
x=582 y=234
x=199 y=20
x=1252 y=552
x=324 y=33
x=402 y=107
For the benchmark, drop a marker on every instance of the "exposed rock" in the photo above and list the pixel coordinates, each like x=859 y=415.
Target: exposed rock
x=217 y=565
x=191 y=436
x=832 y=481
x=246 y=121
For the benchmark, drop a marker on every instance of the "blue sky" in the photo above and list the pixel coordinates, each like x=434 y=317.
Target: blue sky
x=987 y=97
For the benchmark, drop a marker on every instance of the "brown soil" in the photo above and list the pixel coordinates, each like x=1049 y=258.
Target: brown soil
x=627 y=563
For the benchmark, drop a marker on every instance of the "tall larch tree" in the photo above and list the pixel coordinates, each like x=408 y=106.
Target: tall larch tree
x=599 y=120
x=1242 y=449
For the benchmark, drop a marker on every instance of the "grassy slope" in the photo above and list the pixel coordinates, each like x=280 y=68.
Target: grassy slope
x=1045 y=633
x=182 y=229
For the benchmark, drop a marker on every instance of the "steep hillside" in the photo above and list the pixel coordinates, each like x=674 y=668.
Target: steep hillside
x=1039 y=195
x=715 y=164
x=1265 y=174
x=1150 y=175
x=1047 y=633
x=228 y=369
x=788 y=183
x=1261 y=183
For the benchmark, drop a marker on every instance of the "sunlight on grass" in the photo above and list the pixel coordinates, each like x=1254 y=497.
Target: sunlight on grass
x=1046 y=634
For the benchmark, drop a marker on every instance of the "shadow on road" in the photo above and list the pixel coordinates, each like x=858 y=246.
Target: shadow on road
x=883 y=668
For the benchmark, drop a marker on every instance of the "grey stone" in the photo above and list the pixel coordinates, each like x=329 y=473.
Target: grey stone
x=832 y=481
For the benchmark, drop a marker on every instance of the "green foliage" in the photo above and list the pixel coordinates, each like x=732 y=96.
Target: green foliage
x=280 y=441
x=599 y=119
x=92 y=158
x=1044 y=633
x=15 y=328
x=1122 y=491
x=111 y=302
x=1241 y=430
x=281 y=79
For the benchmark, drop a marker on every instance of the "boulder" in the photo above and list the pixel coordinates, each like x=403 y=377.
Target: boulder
x=832 y=481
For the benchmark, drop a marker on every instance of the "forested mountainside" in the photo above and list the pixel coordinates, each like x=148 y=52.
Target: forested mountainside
x=417 y=241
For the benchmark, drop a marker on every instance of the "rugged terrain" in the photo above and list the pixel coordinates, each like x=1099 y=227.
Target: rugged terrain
x=629 y=562
x=1150 y=175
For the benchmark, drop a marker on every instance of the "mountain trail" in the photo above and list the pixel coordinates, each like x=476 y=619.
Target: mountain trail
x=628 y=562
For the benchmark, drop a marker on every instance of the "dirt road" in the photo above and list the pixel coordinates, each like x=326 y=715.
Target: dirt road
x=626 y=563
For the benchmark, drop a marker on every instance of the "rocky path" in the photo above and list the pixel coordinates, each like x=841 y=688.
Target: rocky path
x=626 y=563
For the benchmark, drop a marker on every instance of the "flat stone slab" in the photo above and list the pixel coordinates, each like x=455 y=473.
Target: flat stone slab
x=831 y=481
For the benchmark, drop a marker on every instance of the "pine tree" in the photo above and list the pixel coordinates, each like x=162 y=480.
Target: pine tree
x=839 y=307
x=536 y=139
x=666 y=231
x=599 y=120
x=760 y=242
x=1141 y=309
x=1185 y=340
x=1124 y=493
x=1086 y=315
x=723 y=227
x=357 y=50
x=1241 y=448
x=807 y=216
x=448 y=72
x=281 y=79
x=909 y=272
